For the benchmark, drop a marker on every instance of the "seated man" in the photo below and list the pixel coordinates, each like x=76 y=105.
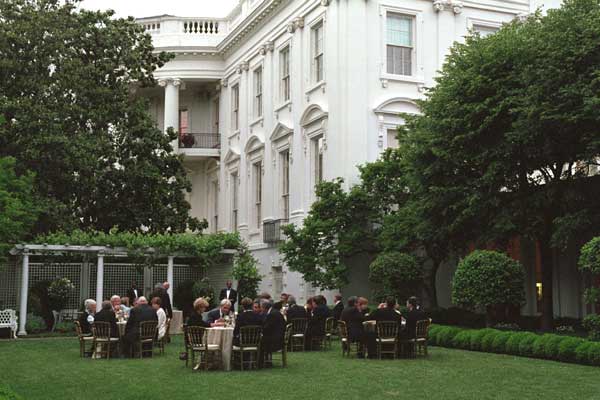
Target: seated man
x=387 y=312
x=354 y=318
x=316 y=323
x=87 y=318
x=106 y=314
x=219 y=314
x=413 y=315
x=273 y=331
x=247 y=317
x=140 y=313
x=294 y=311
x=118 y=306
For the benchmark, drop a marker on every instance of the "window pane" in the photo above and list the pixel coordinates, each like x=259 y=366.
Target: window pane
x=399 y=60
x=399 y=30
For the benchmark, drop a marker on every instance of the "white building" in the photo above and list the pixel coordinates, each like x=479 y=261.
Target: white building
x=283 y=93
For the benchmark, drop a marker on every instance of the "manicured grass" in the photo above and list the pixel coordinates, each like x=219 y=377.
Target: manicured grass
x=52 y=369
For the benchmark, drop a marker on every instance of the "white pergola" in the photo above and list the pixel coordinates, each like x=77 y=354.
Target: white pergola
x=25 y=250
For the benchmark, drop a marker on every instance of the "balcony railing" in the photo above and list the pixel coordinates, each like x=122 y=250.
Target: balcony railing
x=200 y=141
x=272 y=231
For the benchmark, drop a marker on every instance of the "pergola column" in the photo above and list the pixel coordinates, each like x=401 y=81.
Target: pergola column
x=24 y=295
x=171 y=107
x=170 y=276
x=100 y=282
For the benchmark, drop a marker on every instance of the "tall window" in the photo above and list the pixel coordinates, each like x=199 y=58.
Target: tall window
x=285 y=184
x=318 y=159
x=215 y=189
x=317 y=52
x=284 y=68
x=258 y=99
x=234 y=201
x=392 y=138
x=400 y=44
x=257 y=169
x=235 y=107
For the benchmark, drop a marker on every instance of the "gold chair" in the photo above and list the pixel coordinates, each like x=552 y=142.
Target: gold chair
x=83 y=339
x=102 y=341
x=347 y=345
x=197 y=343
x=250 y=337
x=147 y=335
x=419 y=343
x=299 y=326
x=387 y=338
x=329 y=330
x=286 y=340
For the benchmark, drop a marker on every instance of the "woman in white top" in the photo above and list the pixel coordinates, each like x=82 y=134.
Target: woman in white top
x=162 y=317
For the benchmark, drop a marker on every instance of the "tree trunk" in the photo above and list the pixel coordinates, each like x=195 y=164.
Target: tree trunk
x=430 y=285
x=547 y=261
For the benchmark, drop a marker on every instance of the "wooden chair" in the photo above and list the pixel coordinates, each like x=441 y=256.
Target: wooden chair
x=387 y=338
x=165 y=339
x=147 y=335
x=102 y=341
x=286 y=340
x=83 y=339
x=197 y=343
x=419 y=343
x=329 y=330
x=250 y=337
x=299 y=326
x=347 y=345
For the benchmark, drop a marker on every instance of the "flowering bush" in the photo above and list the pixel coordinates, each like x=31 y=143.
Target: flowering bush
x=59 y=291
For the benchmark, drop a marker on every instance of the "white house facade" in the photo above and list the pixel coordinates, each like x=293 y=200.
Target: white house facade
x=281 y=94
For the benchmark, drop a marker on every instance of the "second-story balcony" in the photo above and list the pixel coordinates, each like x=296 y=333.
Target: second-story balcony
x=200 y=145
x=186 y=33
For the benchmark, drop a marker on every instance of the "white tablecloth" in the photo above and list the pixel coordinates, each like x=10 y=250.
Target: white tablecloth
x=224 y=338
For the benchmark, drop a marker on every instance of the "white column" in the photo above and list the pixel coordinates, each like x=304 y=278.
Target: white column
x=171 y=111
x=100 y=282
x=24 y=289
x=170 y=277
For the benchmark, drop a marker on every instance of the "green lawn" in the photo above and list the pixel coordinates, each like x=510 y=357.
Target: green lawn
x=51 y=369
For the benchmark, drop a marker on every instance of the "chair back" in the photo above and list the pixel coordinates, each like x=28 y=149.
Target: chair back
x=101 y=330
x=288 y=335
x=343 y=328
x=423 y=329
x=167 y=329
x=148 y=330
x=387 y=329
x=196 y=336
x=78 y=329
x=330 y=325
x=250 y=336
x=299 y=325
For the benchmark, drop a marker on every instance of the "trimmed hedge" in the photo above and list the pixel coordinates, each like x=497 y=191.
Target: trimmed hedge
x=527 y=344
x=7 y=394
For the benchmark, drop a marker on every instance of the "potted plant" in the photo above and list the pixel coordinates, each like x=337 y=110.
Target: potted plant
x=187 y=139
x=59 y=291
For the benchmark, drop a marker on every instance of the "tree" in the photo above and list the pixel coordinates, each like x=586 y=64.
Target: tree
x=66 y=83
x=19 y=207
x=487 y=279
x=398 y=274
x=246 y=273
x=508 y=135
x=589 y=263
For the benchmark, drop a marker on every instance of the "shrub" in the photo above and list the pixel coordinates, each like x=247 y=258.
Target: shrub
x=463 y=340
x=202 y=288
x=64 y=327
x=593 y=354
x=446 y=335
x=526 y=344
x=552 y=346
x=589 y=260
x=512 y=344
x=567 y=348
x=398 y=274
x=581 y=352
x=59 y=291
x=539 y=346
x=507 y=327
x=433 y=333
x=245 y=271
x=477 y=337
x=35 y=324
x=488 y=340
x=591 y=323
x=499 y=342
x=7 y=394
x=457 y=317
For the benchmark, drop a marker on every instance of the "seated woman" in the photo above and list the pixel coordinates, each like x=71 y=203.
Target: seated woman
x=162 y=317
x=195 y=319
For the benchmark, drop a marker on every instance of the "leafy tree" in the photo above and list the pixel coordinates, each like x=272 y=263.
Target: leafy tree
x=508 y=135
x=66 y=82
x=398 y=274
x=486 y=279
x=19 y=207
x=246 y=273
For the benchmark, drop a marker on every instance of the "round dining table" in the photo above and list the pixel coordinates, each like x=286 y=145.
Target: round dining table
x=222 y=336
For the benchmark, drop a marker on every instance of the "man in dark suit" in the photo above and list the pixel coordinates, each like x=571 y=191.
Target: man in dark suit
x=354 y=318
x=316 y=323
x=140 y=313
x=166 y=300
x=133 y=293
x=220 y=313
x=106 y=314
x=247 y=317
x=273 y=331
x=338 y=308
x=294 y=311
x=413 y=315
x=229 y=294
x=387 y=312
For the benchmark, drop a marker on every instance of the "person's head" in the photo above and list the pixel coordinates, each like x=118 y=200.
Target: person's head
x=310 y=303
x=228 y=284
x=133 y=285
x=106 y=305
x=225 y=306
x=390 y=302
x=337 y=297
x=411 y=303
x=166 y=285
x=284 y=297
x=90 y=305
x=264 y=295
x=265 y=305
x=125 y=300
x=363 y=303
x=115 y=301
x=156 y=303
x=256 y=306
x=320 y=300
x=291 y=300
x=142 y=301
x=200 y=305
x=246 y=304
x=352 y=301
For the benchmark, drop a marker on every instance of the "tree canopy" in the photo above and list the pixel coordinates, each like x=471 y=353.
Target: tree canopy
x=67 y=79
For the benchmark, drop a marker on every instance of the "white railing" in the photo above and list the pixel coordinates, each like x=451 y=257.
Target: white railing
x=203 y=27
x=171 y=32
